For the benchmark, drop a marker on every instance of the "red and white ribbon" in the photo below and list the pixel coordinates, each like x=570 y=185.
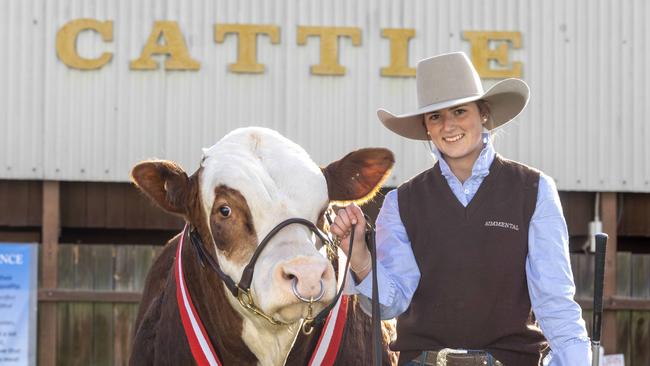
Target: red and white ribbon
x=200 y=345
x=202 y=350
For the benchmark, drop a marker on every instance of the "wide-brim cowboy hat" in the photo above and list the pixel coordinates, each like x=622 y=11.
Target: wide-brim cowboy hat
x=449 y=80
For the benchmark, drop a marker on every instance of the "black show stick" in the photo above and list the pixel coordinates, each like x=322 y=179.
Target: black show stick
x=599 y=279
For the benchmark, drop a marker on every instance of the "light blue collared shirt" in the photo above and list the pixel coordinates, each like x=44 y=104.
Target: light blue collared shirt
x=548 y=268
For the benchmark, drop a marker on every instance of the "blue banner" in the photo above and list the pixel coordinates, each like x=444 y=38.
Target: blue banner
x=18 y=303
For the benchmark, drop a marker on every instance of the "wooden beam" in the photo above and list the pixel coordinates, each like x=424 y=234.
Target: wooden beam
x=20 y=236
x=47 y=344
x=617 y=303
x=55 y=295
x=50 y=232
x=608 y=214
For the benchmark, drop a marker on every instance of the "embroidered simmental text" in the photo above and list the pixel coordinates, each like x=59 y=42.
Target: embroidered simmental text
x=506 y=225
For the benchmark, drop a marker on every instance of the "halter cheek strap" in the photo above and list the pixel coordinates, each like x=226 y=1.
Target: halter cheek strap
x=204 y=257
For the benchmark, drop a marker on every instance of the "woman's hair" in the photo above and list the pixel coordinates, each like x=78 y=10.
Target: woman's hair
x=483 y=108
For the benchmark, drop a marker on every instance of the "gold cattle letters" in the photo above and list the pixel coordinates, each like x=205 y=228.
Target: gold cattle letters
x=66 y=43
x=399 y=52
x=329 y=46
x=490 y=51
x=178 y=58
x=247 y=46
x=482 y=53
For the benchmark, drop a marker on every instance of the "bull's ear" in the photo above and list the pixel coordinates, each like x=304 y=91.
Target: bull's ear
x=164 y=182
x=358 y=175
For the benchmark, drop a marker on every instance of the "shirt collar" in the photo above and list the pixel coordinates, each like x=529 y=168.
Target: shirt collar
x=481 y=166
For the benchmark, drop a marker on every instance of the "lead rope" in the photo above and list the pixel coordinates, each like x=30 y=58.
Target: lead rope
x=320 y=318
x=375 y=319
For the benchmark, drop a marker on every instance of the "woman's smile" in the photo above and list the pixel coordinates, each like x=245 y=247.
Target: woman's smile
x=454 y=138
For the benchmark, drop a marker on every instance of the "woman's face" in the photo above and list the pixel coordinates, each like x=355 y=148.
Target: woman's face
x=457 y=131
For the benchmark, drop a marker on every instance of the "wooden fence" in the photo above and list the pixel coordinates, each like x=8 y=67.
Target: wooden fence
x=99 y=286
x=105 y=282
x=632 y=284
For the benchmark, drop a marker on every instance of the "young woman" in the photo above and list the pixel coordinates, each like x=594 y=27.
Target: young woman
x=470 y=249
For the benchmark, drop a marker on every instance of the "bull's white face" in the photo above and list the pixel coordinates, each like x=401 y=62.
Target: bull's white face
x=254 y=178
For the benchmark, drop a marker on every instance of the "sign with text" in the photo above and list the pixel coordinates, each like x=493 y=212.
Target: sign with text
x=167 y=39
x=18 y=302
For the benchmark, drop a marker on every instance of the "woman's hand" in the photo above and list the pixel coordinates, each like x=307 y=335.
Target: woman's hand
x=342 y=227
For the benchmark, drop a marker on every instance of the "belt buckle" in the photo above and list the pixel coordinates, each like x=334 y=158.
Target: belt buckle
x=441 y=358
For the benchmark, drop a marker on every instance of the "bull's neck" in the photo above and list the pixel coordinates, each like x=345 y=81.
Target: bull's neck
x=271 y=344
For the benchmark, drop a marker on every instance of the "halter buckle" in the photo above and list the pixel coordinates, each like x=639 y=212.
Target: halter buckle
x=307 y=327
x=331 y=251
x=244 y=297
x=246 y=300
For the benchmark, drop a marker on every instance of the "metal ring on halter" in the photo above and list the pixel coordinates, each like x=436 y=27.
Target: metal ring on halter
x=294 y=288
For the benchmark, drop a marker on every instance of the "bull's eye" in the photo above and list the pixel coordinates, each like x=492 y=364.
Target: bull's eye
x=225 y=211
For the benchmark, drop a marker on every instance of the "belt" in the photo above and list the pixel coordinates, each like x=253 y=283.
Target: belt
x=452 y=357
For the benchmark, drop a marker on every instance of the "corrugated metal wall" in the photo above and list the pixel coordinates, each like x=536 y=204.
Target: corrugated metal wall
x=584 y=60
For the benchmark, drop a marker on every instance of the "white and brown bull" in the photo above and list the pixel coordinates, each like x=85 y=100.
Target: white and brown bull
x=247 y=183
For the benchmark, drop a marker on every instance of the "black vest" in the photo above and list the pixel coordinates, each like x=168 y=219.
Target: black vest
x=473 y=292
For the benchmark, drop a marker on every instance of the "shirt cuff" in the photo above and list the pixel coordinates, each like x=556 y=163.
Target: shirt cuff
x=386 y=290
x=577 y=353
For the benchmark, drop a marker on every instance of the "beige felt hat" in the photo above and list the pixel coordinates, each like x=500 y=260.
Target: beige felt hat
x=448 y=80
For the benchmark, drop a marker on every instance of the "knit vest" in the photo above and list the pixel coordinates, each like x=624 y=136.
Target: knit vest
x=473 y=292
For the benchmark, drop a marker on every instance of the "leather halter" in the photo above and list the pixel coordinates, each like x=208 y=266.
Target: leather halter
x=242 y=290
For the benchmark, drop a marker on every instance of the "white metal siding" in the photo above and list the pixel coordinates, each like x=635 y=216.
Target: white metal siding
x=21 y=88
x=585 y=61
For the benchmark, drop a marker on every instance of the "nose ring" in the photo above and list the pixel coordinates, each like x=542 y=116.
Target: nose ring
x=294 y=288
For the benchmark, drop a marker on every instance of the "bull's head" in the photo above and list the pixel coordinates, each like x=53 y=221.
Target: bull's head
x=250 y=181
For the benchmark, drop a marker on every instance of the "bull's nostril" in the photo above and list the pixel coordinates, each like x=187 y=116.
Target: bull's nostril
x=288 y=276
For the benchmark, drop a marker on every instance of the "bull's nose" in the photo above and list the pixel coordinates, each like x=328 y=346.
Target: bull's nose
x=309 y=274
